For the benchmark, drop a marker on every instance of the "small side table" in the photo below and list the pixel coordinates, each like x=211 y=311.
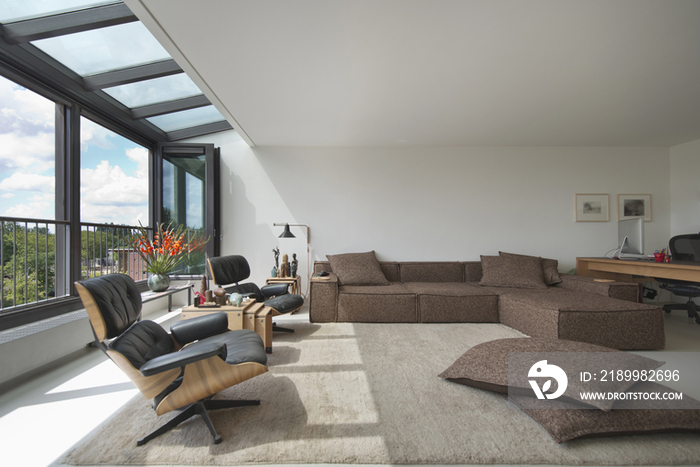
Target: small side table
x=294 y=283
x=254 y=316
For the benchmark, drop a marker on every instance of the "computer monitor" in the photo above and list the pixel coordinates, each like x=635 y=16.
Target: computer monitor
x=630 y=238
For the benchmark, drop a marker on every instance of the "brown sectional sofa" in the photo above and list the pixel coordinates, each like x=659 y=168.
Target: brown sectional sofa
x=577 y=308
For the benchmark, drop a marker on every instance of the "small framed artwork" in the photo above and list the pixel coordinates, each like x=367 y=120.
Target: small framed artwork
x=592 y=208
x=634 y=206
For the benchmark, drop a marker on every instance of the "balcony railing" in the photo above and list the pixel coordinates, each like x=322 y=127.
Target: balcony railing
x=35 y=258
x=108 y=249
x=28 y=259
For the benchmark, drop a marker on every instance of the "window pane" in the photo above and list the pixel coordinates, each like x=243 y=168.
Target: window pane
x=15 y=10
x=27 y=153
x=27 y=190
x=187 y=118
x=105 y=49
x=183 y=203
x=153 y=91
x=113 y=177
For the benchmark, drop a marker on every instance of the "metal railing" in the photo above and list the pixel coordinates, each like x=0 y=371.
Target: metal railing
x=29 y=261
x=108 y=249
x=35 y=257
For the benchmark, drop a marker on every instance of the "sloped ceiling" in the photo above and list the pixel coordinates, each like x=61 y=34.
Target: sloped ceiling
x=442 y=72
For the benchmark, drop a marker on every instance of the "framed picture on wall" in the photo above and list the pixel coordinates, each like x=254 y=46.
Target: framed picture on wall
x=592 y=208
x=634 y=206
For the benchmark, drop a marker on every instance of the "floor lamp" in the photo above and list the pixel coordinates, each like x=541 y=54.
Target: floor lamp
x=288 y=234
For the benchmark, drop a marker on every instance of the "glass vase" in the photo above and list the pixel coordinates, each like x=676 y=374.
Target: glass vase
x=158 y=282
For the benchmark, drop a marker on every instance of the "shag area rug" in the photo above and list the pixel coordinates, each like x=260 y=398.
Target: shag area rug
x=367 y=394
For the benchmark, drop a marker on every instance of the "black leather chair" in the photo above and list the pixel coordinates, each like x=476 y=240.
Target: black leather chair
x=228 y=271
x=683 y=248
x=178 y=371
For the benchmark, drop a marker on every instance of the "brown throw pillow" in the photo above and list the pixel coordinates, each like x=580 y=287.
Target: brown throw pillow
x=550 y=268
x=564 y=421
x=524 y=272
x=357 y=269
x=485 y=366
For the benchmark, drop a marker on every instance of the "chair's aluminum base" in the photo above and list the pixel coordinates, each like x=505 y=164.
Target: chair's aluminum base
x=198 y=408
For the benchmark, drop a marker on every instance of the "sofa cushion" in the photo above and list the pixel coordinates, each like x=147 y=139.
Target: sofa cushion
x=485 y=366
x=357 y=269
x=393 y=303
x=512 y=271
x=455 y=302
x=566 y=421
x=550 y=268
x=428 y=271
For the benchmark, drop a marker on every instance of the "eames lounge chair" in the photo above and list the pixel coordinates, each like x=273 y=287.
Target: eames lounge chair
x=228 y=271
x=179 y=371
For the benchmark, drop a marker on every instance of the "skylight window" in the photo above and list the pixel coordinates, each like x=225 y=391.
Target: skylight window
x=105 y=49
x=154 y=91
x=187 y=118
x=17 y=10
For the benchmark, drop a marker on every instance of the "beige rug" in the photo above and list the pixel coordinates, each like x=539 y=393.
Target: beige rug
x=368 y=393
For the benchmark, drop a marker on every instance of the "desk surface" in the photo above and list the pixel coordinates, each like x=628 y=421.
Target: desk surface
x=621 y=269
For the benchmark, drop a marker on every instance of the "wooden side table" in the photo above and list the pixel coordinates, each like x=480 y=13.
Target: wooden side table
x=254 y=316
x=294 y=283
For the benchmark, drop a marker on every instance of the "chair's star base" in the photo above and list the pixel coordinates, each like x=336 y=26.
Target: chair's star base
x=198 y=408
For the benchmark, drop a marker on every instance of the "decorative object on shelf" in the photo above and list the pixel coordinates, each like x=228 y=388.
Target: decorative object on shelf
x=288 y=234
x=276 y=252
x=295 y=265
x=167 y=250
x=203 y=288
x=158 y=282
x=273 y=273
x=285 y=266
x=236 y=299
x=592 y=207
x=634 y=206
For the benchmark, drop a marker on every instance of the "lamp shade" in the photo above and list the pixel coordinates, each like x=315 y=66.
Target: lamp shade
x=287 y=233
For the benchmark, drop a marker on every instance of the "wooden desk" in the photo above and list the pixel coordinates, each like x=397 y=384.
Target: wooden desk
x=625 y=270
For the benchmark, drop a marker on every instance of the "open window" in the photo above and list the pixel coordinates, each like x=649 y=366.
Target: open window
x=188 y=196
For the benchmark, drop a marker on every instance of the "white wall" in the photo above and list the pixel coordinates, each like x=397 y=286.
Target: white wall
x=685 y=188
x=438 y=203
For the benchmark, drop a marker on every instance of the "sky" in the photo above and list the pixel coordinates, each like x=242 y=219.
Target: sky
x=114 y=170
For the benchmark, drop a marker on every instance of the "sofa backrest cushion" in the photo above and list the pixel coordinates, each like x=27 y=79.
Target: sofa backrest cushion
x=512 y=271
x=550 y=268
x=390 y=270
x=357 y=269
x=427 y=271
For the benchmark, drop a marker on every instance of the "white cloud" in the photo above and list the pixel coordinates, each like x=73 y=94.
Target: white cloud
x=110 y=195
x=28 y=182
x=40 y=207
x=92 y=133
x=7 y=195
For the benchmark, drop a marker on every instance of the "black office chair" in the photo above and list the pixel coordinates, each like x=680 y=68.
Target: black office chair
x=178 y=371
x=683 y=248
x=228 y=271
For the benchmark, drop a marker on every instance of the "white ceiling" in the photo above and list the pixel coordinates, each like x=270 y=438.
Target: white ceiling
x=442 y=72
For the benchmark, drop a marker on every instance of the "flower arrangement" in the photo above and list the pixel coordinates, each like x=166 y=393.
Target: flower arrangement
x=168 y=248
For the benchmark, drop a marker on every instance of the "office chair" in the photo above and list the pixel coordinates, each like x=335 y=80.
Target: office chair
x=683 y=248
x=228 y=271
x=178 y=371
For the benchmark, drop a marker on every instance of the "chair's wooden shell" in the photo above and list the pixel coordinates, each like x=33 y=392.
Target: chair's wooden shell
x=200 y=379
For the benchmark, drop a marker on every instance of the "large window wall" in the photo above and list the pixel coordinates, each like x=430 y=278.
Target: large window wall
x=87 y=96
